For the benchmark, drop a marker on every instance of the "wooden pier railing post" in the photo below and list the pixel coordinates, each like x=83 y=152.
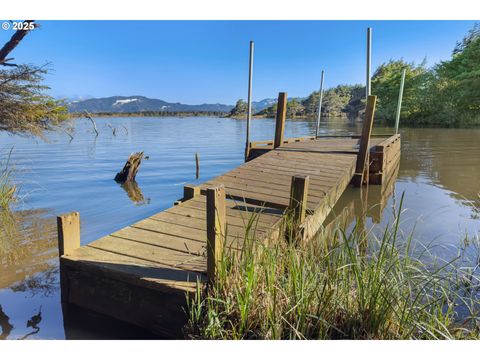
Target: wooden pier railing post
x=190 y=191
x=68 y=228
x=216 y=227
x=363 y=153
x=281 y=115
x=298 y=203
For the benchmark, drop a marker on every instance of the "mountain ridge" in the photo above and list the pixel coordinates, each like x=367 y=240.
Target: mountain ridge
x=138 y=103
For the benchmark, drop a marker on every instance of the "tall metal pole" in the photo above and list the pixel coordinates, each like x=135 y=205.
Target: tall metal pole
x=369 y=63
x=249 y=111
x=317 y=130
x=399 y=105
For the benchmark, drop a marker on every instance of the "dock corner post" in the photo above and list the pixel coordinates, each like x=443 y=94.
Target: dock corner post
x=363 y=153
x=298 y=204
x=216 y=229
x=280 y=120
x=68 y=228
x=190 y=191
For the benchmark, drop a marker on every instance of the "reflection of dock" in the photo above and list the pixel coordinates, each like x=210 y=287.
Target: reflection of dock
x=356 y=205
x=143 y=273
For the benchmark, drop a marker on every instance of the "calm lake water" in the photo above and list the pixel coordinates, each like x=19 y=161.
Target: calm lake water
x=439 y=174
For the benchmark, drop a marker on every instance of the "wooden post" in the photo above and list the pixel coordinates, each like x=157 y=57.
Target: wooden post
x=363 y=152
x=298 y=202
x=197 y=164
x=190 y=191
x=216 y=227
x=68 y=227
x=281 y=115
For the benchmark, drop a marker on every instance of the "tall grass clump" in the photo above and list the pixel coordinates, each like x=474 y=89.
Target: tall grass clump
x=7 y=188
x=337 y=286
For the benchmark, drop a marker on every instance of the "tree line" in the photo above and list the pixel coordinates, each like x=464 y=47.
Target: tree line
x=446 y=94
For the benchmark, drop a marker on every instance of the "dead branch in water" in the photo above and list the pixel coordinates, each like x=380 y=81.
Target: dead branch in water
x=114 y=130
x=197 y=164
x=130 y=168
x=71 y=136
x=87 y=114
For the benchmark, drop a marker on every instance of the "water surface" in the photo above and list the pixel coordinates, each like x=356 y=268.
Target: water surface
x=439 y=175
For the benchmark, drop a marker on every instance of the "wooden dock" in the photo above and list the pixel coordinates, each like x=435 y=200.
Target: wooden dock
x=142 y=274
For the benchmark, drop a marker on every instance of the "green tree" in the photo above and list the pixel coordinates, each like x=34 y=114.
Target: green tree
x=461 y=78
x=386 y=86
x=295 y=109
x=240 y=109
x=24 y=105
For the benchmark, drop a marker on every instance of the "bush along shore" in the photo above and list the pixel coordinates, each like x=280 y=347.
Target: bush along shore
x=339 y=286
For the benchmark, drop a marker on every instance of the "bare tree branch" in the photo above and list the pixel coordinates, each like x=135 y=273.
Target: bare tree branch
x=13 y=42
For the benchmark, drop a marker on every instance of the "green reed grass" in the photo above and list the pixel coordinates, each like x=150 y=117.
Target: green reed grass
x=337 y=286
x=7 y=188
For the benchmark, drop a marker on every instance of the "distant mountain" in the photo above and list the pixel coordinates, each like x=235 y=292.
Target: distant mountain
x=125 y=104
x=262 y=104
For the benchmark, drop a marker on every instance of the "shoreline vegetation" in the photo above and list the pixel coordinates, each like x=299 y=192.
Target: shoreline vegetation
x=339 y=286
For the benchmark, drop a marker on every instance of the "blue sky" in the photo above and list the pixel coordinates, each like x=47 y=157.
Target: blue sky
x=207 y=61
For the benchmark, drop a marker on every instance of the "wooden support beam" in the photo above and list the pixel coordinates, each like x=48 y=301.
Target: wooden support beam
x=361 y=168
x=216 y=227
x=190 y=191
x=298 y=203
x=68 y=227
x=281 y=116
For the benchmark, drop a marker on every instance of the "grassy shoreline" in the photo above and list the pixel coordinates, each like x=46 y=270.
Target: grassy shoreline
x=338 y=286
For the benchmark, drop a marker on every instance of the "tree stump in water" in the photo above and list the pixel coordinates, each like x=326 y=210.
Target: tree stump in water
x=130 y=169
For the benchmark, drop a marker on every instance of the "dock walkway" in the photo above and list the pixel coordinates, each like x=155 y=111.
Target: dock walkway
x=143 y=273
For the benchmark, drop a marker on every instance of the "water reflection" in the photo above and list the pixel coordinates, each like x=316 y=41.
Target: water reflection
x=28 y=252
x=5 y=325
x=449 y=158
x=33 y=323
x=27 y=246
x=134 y=192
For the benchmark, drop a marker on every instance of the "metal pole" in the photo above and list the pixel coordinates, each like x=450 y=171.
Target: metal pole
x=249 y=111
x=319 y=106
x=399 y=105
x=369 y=63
